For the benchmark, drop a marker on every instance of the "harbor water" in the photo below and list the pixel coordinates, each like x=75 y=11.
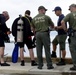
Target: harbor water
x=10 y=46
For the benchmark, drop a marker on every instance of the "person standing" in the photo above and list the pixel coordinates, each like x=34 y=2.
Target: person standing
x=22 y=27
x=40 y=26
x=4 y=30
x=27 y=15
x=71 y=19
x=60 y=38
x=30 y=41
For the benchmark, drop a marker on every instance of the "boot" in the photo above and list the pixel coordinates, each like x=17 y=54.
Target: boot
x=22 y=63
x=61 y=62
x=73 y=68
x=33 y=63
x=53 y=55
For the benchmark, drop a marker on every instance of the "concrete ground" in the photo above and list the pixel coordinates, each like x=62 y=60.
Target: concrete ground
x=16 y=69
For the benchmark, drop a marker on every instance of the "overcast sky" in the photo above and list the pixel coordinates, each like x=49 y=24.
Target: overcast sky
x=16 y=7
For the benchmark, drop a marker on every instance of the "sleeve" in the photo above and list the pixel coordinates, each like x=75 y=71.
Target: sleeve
x=65 y=22
x=5 y=28
x=27 y=27
x=32 y=23
x=3 y=25
x=14 y=28
x=50 y=21
x=66 y=18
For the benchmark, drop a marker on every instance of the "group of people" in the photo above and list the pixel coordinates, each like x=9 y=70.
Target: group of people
x=39 y=27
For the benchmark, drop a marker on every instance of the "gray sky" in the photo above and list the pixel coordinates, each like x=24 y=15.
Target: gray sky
x=16 y=7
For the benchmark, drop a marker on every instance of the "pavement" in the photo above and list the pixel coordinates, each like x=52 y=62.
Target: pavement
x=16 y=69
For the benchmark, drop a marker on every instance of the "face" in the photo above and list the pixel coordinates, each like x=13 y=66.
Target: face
x=42 y=11
x=72 y=9
x=57 y=12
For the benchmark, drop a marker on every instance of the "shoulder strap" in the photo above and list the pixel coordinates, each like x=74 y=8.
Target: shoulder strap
x=28 y=20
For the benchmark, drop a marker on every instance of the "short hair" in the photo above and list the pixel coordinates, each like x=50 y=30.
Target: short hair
x=27 y=12
x=6 y=14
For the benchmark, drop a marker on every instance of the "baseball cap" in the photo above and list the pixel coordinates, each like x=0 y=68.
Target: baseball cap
x=72 y=5
x=57 y=8
x=42 y=7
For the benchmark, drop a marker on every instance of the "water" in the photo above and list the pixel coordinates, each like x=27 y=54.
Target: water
x=10 y=46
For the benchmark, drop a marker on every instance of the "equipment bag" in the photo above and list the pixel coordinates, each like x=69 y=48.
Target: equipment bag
x=15 y=53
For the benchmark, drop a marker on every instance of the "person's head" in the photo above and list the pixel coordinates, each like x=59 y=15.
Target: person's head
x=42 y=10
x=72 y=7
x=27 y=12
x=58 y=10
x=6 y=15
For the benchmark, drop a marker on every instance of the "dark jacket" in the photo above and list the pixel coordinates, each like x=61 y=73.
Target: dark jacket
x=26 y=28
x=29 y=19
x=3 y=29
x=3 y=26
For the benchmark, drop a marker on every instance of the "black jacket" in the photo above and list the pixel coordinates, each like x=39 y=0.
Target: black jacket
x=26 y=28
x=3 y=26
x=3 y=29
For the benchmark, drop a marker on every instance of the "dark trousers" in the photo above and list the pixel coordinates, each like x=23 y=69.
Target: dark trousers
x=43 y=39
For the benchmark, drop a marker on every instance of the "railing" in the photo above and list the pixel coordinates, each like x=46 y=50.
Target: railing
x=10 y=46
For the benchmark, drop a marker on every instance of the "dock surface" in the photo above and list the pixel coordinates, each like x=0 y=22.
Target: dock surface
x=16 y=69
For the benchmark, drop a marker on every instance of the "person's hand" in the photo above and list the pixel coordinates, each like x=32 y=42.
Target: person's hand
x=8 y=32
x=56 y=27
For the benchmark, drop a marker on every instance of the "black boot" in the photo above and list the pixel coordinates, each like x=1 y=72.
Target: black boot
x=73 y=68
x=61 y=62
x=22 y=63
x=33 y=63
x=53 y=55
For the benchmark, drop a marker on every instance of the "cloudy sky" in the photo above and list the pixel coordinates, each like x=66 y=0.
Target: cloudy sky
x=16 y=7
